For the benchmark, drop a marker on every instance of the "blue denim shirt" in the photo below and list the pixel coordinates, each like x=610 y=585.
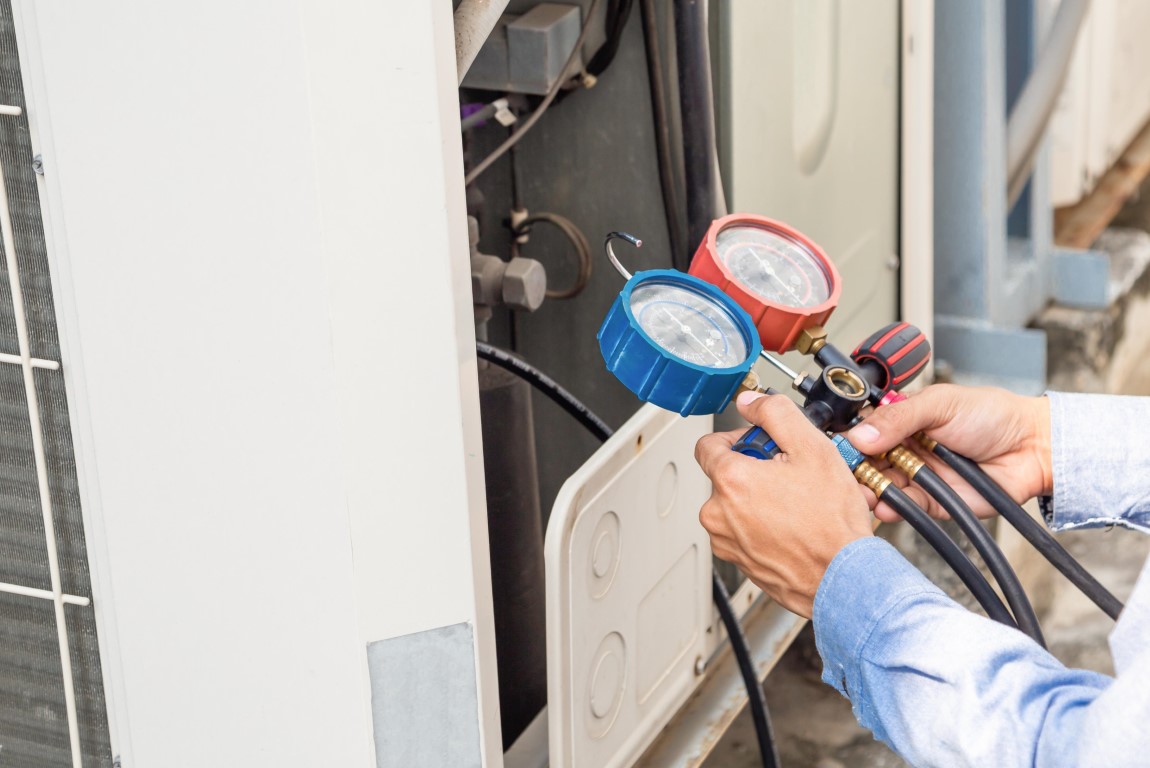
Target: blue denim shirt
x=946 y=687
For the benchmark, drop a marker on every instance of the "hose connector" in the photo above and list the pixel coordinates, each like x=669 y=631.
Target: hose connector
x=872 y=478
x=851 y=455
x=905 y=460
x=928 y=443
x=893 y=396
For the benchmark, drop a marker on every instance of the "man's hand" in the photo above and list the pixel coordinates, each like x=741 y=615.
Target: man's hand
x=781 y=521
x=1009 y=435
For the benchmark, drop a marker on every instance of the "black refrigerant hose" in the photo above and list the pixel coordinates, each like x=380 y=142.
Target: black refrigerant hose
x=697 y=115
x=1033 y=531
x=936 y=537
x=599 y=428
x=546 y=385
x=986 y=546
x=756 y=699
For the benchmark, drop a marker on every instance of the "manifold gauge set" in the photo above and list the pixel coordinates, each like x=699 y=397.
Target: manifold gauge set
x=686 y=342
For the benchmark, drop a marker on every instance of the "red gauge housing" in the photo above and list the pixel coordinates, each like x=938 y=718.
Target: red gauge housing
x=789 y=286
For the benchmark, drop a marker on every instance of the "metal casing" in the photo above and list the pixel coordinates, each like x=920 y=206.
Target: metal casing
x=655 y=375
x=778 y=324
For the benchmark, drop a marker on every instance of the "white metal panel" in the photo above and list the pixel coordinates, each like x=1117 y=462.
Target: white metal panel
x=809 y=126
x=628 y=591
x=246 y=204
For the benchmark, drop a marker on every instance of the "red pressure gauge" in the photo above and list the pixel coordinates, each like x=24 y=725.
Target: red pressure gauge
x=784 y=281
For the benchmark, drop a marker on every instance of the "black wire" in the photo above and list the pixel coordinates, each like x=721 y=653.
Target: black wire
x=1007 y=579
x=1031 y=530
x=936 y=537
x=756 y=699
x=680 y=258
x=618 y=13
x=546 y=385
x=599 y=428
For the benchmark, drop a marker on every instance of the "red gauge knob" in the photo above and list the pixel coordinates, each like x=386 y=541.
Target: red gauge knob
x=900 y=350
x=781 y=277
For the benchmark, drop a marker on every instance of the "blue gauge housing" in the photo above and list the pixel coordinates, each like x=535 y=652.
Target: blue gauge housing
x=656 y=375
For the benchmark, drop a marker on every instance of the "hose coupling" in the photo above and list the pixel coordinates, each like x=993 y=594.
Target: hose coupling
x=872 y=478
x=926 y=442
x=849 y=453
x=904 y=460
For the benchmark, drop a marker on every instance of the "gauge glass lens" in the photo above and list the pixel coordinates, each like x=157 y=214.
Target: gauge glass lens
x=689 y=325
x=773 y=266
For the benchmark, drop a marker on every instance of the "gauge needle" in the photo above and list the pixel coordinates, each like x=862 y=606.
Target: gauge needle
x=683 y=327
x=771 y=272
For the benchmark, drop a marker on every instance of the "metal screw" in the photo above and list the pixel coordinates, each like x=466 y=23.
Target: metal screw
x=893 y=262
x=700 y=665
x=116 y=762
x=38 y=165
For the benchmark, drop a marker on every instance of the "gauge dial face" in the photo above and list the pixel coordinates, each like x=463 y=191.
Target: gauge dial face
x=773 y=266
x=689 y=325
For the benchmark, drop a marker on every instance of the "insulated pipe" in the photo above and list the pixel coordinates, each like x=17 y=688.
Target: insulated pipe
x=1031 y=113
x=697 y=112
x=474 y=20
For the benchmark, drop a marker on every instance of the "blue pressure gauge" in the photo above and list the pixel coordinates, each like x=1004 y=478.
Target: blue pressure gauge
x=677 y=341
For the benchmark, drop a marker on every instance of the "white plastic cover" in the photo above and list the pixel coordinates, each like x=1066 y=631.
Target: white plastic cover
x=628 y=591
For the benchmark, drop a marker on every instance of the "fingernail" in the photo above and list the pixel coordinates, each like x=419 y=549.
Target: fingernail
x=748 y=397
x=863 y=433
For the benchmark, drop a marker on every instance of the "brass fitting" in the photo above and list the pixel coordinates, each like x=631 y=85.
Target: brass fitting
x=872 y=478
x=905 y=460
x=811 y=340
x=750 y=383
x=926 y=442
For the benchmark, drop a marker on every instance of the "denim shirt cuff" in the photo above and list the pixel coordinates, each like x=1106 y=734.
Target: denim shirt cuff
x=866 y=580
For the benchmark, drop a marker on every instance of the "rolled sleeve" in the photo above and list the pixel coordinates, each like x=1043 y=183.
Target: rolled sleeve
x=1101 y=467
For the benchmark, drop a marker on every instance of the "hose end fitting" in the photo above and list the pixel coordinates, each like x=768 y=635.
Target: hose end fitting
x=905 y=461
x=851 y=455
x=872 y=478
x=926 y=442
x=893 y=396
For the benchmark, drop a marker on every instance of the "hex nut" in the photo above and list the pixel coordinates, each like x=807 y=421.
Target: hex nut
x=811 y=340
x=524 y=284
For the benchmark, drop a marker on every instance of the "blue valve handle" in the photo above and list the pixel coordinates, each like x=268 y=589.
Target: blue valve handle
x=757 y=444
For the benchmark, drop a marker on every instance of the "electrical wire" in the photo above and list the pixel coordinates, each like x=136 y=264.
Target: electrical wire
x=577 y=239
x=756 y=699
x=618 y=13
x=984 y=543
x=676 y=228
x=936 y=537
x=1033 y=531
x=530 y=122
x=599 y=428
x=546 y=385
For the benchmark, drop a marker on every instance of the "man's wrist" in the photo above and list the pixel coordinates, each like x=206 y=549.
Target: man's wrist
x=1043 y=451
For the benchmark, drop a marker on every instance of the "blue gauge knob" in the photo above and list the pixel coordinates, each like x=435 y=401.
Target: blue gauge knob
x=678 y=342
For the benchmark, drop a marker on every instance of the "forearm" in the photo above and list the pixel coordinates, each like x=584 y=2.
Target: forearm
x=940 y=685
